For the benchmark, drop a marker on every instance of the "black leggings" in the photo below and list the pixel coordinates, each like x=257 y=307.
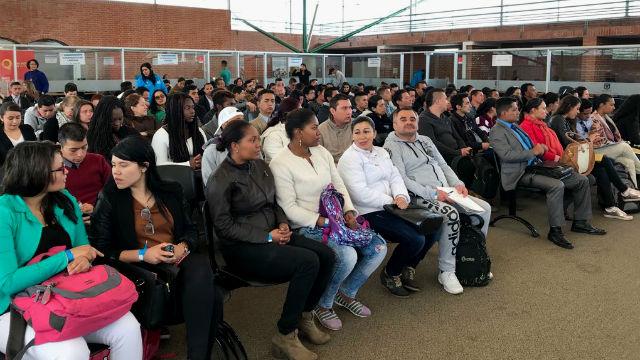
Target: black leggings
x=606 y=175
x=306 y=264
x=201 y=304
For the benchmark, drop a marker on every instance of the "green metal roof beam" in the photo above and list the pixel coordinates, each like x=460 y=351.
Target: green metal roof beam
x=330 y=43
x=271 y=36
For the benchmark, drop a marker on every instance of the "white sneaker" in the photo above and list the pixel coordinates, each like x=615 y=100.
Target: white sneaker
x=450 y=282
x=631 y=195
x=615 y=213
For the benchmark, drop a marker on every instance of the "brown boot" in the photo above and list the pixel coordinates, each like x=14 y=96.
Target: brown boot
x=289 y=347
x=310 y=331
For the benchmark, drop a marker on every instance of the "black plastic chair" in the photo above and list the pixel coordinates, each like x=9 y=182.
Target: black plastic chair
x=225 y=277
x=183 y=175
x=511 y=196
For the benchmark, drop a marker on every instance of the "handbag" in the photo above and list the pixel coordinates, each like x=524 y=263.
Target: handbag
x=550 y=169
x=419 y=217
x=157 y=303
x=579 y=155
x=331 y=203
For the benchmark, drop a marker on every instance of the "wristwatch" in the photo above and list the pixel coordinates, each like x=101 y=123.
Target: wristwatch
x=141 y=253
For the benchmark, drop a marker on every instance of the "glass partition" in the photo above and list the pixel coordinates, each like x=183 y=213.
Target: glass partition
x=611 y=71
x=502 y=69
x=440 y=70
x=373 y=69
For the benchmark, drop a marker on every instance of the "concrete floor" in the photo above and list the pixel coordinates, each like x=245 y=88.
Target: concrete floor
x=544 y=303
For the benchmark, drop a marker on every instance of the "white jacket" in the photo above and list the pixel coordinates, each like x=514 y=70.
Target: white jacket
x=274 y=139
x=160 y=145
x=299 y=184
x=371 y=178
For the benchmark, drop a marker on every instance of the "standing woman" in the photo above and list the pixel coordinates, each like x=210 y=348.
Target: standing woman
x=302 y=171
x=180 y=140
x=136 y=116
x=302 y=73
x=36 y=76
x=256 y=239
x=83 y=113
x=107 y=127
x=149 y=80
x=13 y=131
x=37 y=214
x=136 y=215
x=156 y=107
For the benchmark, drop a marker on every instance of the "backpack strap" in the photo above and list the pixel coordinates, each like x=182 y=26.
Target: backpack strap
x=17 y=329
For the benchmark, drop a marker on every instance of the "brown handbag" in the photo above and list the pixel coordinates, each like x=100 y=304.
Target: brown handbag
x=579 y=154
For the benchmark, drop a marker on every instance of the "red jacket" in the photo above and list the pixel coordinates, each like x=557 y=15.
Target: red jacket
x=540 y=133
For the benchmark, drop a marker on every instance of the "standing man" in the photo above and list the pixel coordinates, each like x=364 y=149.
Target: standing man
x=225 y=73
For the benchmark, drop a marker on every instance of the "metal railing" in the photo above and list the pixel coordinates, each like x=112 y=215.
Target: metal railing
x=610 y=69
x=467 y=15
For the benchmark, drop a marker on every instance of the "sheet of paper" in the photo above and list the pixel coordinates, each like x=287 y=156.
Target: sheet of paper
x=465 y=202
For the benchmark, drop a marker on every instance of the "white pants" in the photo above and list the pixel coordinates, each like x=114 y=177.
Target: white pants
x=622 y=153
x=122 y=336
x=449 y=233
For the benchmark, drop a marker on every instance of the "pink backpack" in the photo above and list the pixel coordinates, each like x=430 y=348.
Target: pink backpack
x=69 y=306
x=331 y=202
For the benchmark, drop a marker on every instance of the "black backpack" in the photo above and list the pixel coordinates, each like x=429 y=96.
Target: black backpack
x=486 y=178
x=472 y=261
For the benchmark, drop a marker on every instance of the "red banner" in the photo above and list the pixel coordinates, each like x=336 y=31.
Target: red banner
x=6 y=63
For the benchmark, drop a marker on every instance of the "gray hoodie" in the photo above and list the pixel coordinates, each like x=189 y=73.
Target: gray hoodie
x=420 y=164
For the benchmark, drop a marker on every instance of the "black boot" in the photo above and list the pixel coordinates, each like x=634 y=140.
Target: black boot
x=557 y=237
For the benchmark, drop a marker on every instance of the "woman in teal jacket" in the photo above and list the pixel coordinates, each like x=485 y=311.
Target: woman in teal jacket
x=37 y=214
x=150 y=80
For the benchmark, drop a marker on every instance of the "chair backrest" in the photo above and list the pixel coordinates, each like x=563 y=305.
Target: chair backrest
x=183 y=175
x=217 y=261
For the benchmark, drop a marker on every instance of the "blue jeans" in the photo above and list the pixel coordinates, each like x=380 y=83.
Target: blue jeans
x=349 y=273
x=412 y=246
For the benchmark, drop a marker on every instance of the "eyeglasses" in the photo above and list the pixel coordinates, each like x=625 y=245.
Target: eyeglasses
x=158 y=97
x=61 y=169
x=149 y=229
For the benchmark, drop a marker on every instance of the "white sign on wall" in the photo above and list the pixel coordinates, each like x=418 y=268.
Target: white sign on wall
x=50 y=59
x=373 y=62
x=502 y=60
x=72 y=58
x=108 y=60
x=167 y=59
x=295 y=61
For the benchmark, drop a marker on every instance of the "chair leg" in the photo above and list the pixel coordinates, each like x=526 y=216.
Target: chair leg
x=532 y=229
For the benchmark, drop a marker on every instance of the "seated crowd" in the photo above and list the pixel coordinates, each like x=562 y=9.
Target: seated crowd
x=266 y=157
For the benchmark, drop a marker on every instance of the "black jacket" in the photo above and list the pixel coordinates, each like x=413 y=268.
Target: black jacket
x=384 y=125
x=469 y=131
x=113 y=222
x=25 y=102
x=303 y=76
x=242 y=200
x=440 y=131
x=6 y=145
x=629 y=126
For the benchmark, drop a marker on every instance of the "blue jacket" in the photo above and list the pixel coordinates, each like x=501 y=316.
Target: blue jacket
x=39 y=80
x=20 y=234
x=151 y=86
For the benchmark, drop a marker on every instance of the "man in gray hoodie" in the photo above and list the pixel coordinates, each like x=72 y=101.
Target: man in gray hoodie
x=423 y=170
